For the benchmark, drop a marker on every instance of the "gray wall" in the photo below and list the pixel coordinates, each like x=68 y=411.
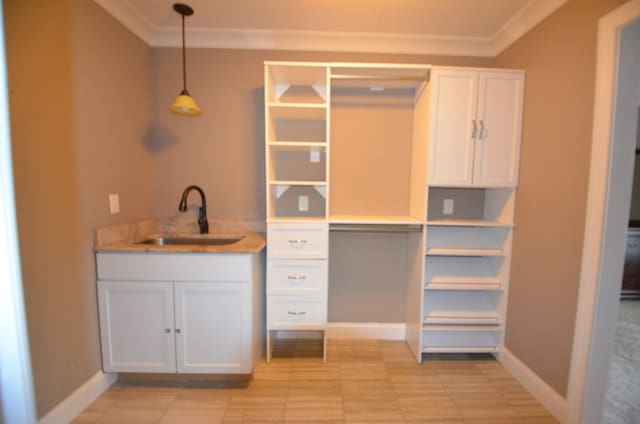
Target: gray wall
x=80 y=93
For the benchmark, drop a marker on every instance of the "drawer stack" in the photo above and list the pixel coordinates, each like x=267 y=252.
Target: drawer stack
x=296 y=279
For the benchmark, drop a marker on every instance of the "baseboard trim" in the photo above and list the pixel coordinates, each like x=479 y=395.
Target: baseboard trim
x=80 y=399
x=366 y=330
x=549 y=398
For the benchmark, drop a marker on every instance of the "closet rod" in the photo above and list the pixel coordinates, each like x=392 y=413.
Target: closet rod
x=376 y=228
x=380 y=77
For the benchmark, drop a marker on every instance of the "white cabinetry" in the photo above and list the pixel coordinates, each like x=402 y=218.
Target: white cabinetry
x=467 y=273
x=476 y=119
x=151 y=320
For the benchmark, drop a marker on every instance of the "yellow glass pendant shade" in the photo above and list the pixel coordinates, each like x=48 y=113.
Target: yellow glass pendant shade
x=185 y=105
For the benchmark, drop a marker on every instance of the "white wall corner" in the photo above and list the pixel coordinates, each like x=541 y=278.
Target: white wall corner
x=522 y=22
x=549 y=398
x=129 y=17
x=80 y=399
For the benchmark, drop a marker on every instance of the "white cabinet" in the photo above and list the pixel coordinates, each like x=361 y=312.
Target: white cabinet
x=166 y=325
x=476 y=120
x=136 y=326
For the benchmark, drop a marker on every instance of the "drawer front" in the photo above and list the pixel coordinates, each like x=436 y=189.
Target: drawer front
x=302 y=277
x=297 y=241
x=296 y=311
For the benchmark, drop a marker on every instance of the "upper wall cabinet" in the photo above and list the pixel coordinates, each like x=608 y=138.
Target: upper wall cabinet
x=476 y=122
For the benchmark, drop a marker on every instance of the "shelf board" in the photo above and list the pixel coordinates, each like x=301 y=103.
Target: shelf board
x=463 y=283
x=297 y=219
x=297 y=327
x=464 y=251
x=446 y=319
x=374 y=219
x=460 y=349
x=297 y=183
x=297 y=145
x=480 y=328
x=467 y=223
x=298 y=110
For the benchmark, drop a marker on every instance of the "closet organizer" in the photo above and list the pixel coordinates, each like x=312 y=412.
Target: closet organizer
x=390 y=197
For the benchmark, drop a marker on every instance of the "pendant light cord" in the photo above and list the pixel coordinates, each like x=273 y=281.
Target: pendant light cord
x=184 y=60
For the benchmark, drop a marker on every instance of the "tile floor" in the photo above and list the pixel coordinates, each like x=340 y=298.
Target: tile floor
x=364 y=381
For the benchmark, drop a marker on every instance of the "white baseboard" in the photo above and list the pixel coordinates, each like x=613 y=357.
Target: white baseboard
x=366 y=330
x=549 y=398
x=78 y=401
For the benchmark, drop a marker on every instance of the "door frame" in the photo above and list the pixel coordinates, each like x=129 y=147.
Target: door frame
x=607 y=215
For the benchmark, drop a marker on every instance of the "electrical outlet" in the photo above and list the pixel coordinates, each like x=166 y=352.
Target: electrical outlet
x=114 y=203
x=303 y=203
x=314 y=156
x=447 y=207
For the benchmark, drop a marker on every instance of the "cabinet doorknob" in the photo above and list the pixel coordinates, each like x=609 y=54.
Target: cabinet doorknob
x=177 y=331
x=481 y=130
x=297 y=243
x=297 y=278
x=475 y=129
x=167 y=330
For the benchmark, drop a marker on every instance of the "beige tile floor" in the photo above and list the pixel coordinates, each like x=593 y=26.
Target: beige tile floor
x=365 y=381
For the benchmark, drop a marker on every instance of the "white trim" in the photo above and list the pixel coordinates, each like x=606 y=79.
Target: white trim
x=366 y=330
x=80 y=399
x=130 y=17
x=522 y=22
x=593 y=316
x=548 y=397
x=17 y=402
x=280 y=39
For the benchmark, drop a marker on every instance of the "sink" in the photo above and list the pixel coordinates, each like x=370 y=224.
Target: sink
x=186 y=241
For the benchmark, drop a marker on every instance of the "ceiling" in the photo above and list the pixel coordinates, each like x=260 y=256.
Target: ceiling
x=450 y=27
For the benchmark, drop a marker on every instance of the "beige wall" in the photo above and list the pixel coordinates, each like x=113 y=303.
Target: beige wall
x=223 y=150
x=559 y=58
x=71 y=69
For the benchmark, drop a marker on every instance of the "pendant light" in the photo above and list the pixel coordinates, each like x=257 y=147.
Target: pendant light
x=184 y=104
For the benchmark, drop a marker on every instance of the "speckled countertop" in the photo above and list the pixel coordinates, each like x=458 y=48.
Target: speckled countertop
x=127 y=237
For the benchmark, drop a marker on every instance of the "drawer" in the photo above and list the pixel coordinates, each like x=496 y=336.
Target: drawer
x=303 y=241
x=301 y=277
x=296 y=311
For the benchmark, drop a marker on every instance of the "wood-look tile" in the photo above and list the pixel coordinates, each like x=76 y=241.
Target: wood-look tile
x=366 y=381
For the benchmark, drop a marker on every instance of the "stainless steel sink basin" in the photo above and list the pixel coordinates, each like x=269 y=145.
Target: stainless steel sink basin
x=186 y=241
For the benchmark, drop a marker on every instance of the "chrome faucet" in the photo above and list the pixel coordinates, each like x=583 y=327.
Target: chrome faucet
x=202 y=215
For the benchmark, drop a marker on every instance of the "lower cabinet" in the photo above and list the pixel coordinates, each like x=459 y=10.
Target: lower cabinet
x=176 y=326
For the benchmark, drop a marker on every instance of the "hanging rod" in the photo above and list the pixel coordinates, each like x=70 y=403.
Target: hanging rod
x=380 y=77
x=376 y=228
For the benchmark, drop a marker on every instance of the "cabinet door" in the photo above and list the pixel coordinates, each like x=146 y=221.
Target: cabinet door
x=452 y=127
x=497 y=151
x=136 y=326
x=213 y=327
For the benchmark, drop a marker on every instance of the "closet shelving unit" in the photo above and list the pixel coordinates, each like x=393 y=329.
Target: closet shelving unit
x=467 y=263
x=368 y=149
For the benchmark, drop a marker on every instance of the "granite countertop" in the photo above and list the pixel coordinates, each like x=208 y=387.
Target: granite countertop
x=127 y=238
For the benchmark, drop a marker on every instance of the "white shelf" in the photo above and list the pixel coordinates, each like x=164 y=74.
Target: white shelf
x=461 y=349
x=464 y=318
x=297 y=219
x=467 y=223
x=298 y=110
x=481 y=284
x=450 y=251
x=298 y=183
x=297 y=145
x=374 y=219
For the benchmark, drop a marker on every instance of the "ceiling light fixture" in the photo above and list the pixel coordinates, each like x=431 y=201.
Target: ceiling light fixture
x=184 y=104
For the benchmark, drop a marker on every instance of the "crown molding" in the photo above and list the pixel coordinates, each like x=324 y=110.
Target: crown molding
x=257 y=39
x=522 y=22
